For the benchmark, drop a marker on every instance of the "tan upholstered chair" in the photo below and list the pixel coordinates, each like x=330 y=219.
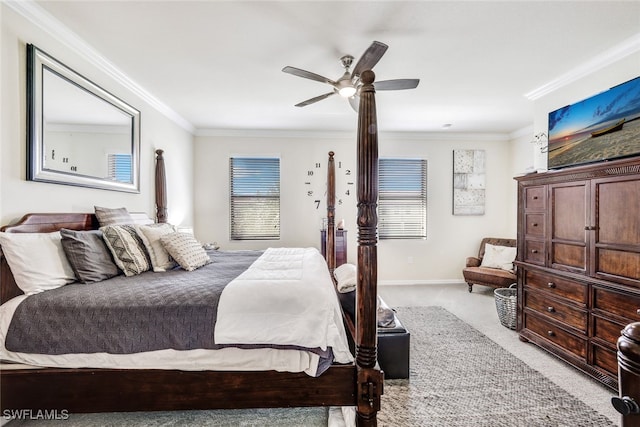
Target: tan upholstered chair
x=486 y=276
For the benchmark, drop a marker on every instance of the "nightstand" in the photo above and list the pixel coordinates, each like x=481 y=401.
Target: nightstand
x=341 y=246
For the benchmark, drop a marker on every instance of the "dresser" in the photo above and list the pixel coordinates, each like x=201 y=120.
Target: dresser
x=341 y=245
x=578 y=263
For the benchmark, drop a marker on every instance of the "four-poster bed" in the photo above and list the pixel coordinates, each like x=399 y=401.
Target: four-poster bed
x=102 y=390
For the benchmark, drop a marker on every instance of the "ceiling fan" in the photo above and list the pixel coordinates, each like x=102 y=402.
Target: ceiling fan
x=349 y=84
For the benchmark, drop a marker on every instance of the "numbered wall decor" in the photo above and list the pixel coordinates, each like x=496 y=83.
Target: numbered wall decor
x=468 y=182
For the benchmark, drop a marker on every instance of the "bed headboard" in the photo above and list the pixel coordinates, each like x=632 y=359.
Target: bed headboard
x=50 y=222
x=47 y=223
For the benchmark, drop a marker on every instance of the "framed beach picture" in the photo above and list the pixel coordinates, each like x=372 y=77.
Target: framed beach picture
x=603 y=127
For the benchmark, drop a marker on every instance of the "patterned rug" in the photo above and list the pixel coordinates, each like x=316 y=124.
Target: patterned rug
x=459 y=378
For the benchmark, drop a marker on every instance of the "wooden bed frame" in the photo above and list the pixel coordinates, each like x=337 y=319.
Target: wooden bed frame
x=119 y=390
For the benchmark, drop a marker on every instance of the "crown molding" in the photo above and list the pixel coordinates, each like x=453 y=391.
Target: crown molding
x=324 y=134
x=30 y=10
x=608 y=57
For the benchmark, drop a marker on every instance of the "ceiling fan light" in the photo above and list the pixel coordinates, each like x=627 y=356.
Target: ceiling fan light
x=347 y=91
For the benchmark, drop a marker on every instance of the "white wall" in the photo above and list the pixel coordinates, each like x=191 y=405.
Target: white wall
x=201 y=168
x=450 y=238
x=19 y=196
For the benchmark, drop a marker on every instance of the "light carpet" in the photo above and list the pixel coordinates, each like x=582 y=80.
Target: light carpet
x=459 y=378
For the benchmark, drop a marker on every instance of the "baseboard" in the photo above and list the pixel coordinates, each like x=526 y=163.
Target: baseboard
x=421 y=282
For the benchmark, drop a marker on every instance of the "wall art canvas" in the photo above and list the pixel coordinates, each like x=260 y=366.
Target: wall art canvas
x=603 y=127
x=468 y=182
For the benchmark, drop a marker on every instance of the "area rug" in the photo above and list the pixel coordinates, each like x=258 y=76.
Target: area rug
x=458 y=378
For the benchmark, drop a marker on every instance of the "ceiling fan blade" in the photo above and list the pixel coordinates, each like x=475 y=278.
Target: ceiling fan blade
x=354 y=101
x=308 y=75
x=316 y=99
x=370 y=58
x=398 y=84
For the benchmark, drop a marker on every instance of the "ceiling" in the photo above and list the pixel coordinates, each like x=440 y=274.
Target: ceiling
x=217 y=64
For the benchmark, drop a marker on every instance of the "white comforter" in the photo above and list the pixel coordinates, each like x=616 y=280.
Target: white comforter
x=312 y=316
x=285 y=297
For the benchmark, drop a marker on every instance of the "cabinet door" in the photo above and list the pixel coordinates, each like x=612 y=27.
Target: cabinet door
x=569 y=218
x=616 y=251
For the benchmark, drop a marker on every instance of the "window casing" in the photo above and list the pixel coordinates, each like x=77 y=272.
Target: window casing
x=255 y=198
x=402 y=199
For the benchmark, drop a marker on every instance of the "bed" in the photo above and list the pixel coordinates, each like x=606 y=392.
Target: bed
x=358 y=384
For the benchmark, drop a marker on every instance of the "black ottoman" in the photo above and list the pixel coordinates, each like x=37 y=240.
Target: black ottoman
x=393 y=351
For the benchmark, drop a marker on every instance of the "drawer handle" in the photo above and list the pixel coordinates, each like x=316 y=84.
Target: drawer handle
x=551 y=285
x=535 y=224
x=535 y=197
x=534 y=251
x=551 y=309
x=551 y=333
x=638 y=311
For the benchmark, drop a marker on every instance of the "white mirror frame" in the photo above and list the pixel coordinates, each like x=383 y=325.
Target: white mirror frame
x=39 y=61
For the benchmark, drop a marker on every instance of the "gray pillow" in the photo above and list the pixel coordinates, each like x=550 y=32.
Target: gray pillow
x=112 y=216
x=89 y=257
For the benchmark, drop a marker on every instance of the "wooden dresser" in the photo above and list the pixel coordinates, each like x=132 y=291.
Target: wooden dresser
x=578 y=263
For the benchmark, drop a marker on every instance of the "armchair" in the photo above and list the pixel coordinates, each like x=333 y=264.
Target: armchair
x=475 y=273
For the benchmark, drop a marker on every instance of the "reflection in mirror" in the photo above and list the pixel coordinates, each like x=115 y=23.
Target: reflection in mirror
x=79 y=134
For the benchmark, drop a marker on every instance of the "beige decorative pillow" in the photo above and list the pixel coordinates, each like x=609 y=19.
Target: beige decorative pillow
x=112 y=216
x=129 y=253
x=185 y=250
x=501 y=257
x=150 y=235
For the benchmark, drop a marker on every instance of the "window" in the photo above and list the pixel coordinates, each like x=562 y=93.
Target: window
x=255 y=198
x=402 y=199
x=120 y=167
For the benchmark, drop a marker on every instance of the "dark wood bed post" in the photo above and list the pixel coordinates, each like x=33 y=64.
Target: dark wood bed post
x=628 y=376
x=161 y=188
x=331 y=214
x=370 y=379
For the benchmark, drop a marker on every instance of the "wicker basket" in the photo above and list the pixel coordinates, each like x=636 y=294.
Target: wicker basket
x=506 y=305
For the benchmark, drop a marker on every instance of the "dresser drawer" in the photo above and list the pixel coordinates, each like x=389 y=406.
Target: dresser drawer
x=558 y=286
x=534 y=198
x=607 y=331
x=534 y=225
x=621 y=304
x=557 y=310
x=605 y=359
x=561 y=338
x=534 y=252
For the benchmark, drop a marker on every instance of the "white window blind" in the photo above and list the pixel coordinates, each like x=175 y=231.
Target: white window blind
x=255 y=198
x=402 y=199
x=120 y=167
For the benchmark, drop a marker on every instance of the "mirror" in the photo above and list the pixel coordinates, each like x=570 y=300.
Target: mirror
x=78 y=133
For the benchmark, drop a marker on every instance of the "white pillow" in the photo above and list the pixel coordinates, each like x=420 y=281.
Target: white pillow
x=501 y=257
x=150 y=236
x=346 y=276
x=37 y=261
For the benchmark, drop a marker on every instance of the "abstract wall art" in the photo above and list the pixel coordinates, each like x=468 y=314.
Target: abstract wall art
x=468 y=182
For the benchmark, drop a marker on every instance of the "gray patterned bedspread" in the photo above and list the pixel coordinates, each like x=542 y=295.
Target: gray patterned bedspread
x=152 y=311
